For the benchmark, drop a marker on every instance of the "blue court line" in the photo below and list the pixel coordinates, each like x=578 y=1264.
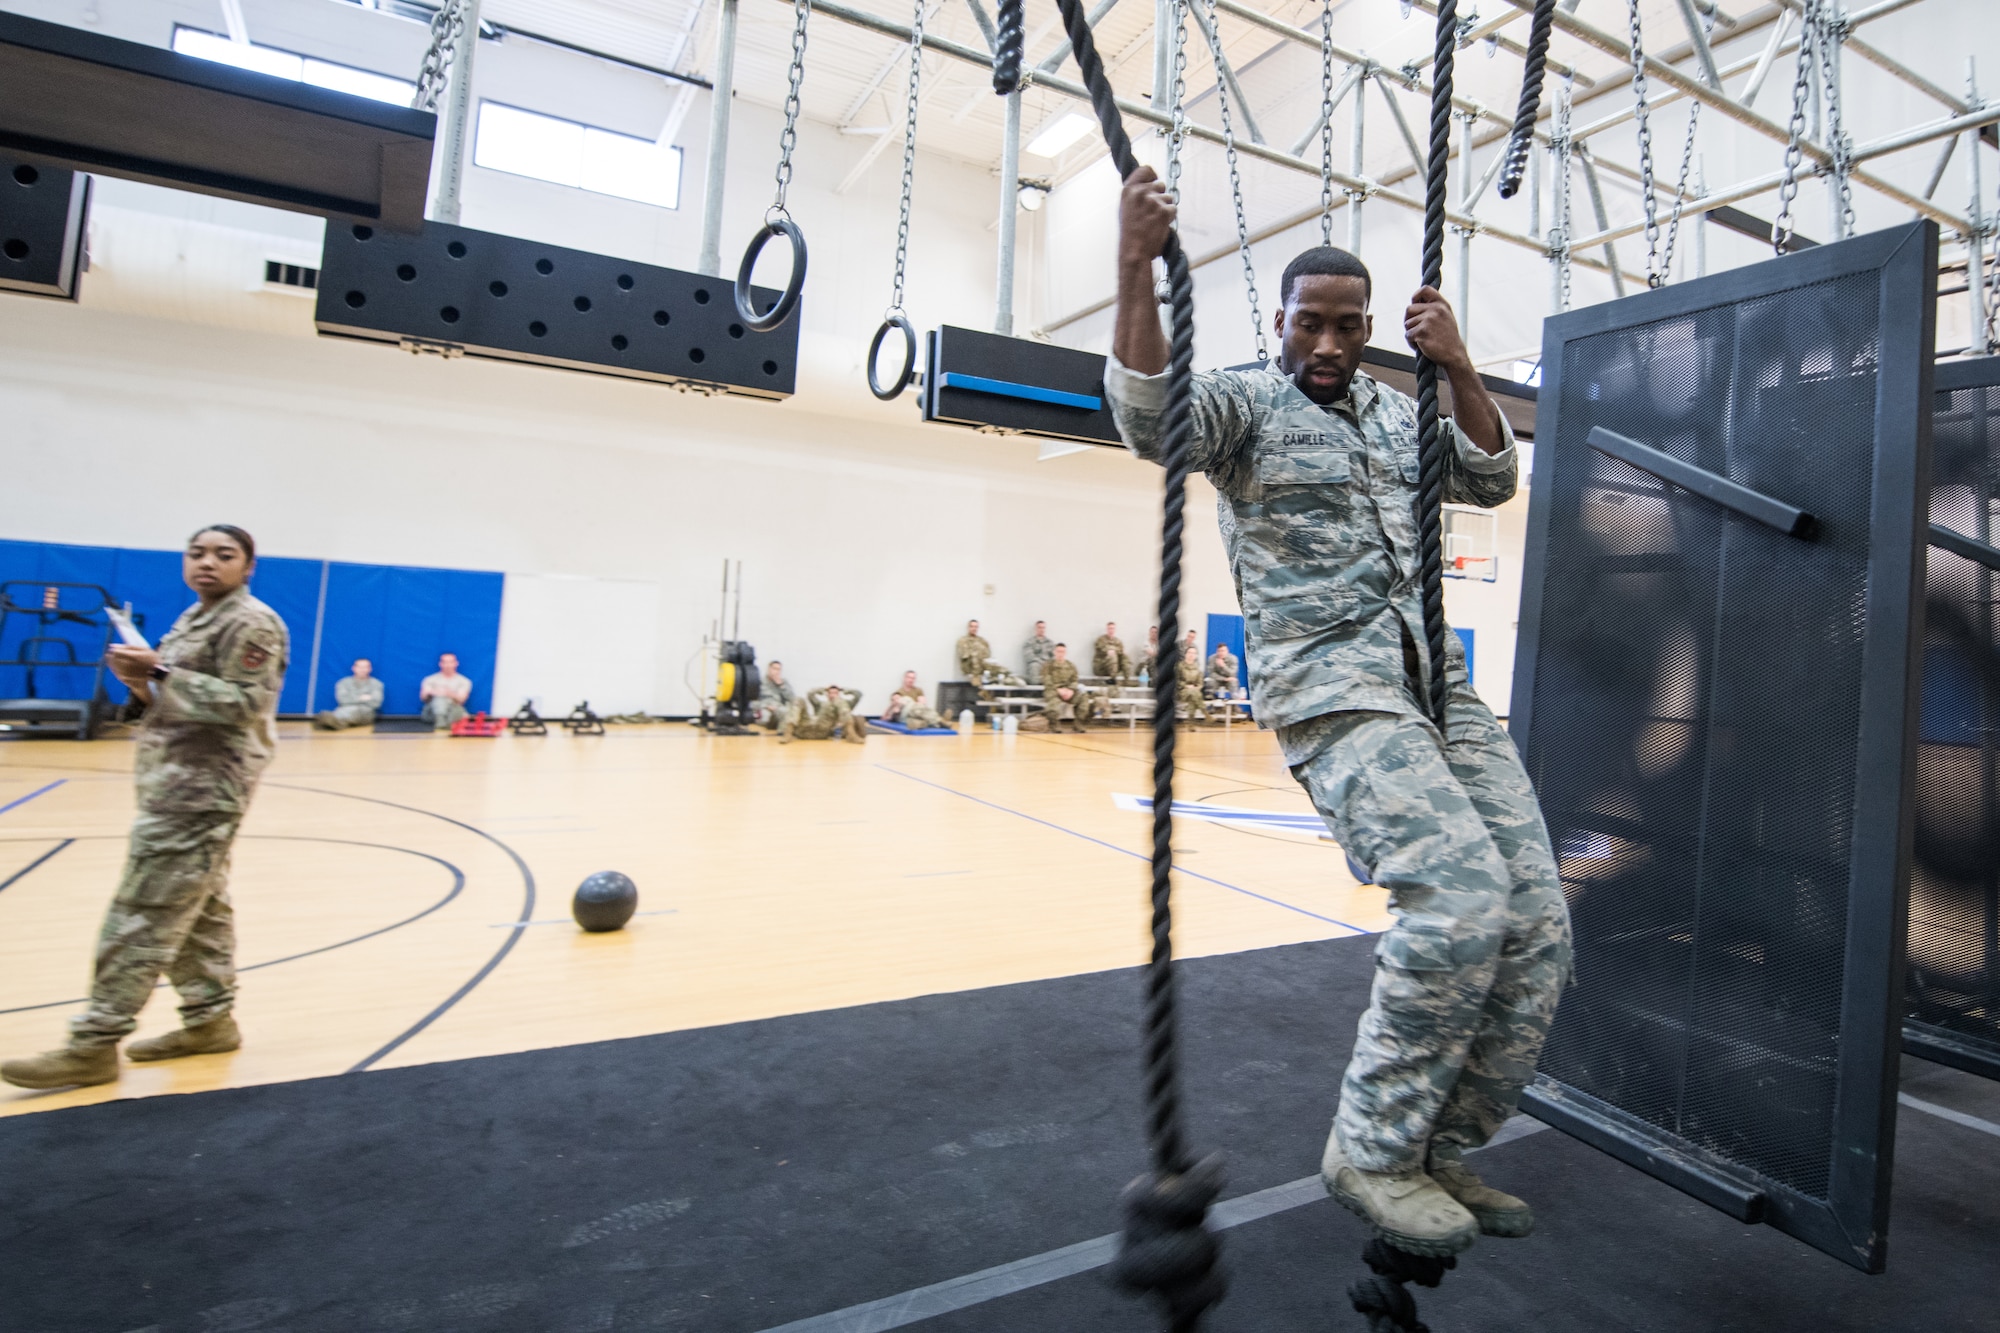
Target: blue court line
x=23 y=800
x=20 y=874
x=1126 y=851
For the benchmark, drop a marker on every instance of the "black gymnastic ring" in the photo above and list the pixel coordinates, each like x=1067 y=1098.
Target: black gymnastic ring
x=909 y=370
x=789 y=301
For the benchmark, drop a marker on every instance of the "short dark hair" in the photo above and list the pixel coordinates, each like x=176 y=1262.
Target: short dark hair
x=234 y=533
x=1325 y=261
x=1062 y=645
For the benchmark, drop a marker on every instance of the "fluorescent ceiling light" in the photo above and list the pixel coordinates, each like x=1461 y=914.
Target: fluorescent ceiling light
x=290 y=65
x=1061 y=133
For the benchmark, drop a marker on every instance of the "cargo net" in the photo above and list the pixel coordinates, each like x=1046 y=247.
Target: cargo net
x=1695 y=717
x=1954 y=972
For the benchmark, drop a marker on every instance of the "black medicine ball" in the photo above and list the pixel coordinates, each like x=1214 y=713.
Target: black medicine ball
x=605 y=901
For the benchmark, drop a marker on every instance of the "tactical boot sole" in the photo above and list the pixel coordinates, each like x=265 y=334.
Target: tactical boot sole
x=1438 y=1247
x=21 y=1079
x=1510 y=1223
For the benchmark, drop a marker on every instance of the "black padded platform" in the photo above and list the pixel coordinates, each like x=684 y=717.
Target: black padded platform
x=82 y=100
x=43 y=210
x=1716 y=698
x=740 y=1178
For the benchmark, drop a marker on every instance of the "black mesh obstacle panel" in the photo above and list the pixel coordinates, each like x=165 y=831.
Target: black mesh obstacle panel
x=1714 y=698
x=1953 y=982
x=453 y=289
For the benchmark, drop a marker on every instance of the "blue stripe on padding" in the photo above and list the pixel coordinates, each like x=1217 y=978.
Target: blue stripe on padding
x=1034 y=393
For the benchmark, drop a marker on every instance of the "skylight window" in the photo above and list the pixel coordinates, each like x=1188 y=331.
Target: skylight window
x=564 y=152
x=290 y=65
x=1060 y=133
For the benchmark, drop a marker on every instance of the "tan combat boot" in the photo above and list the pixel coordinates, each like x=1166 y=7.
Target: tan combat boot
x=1498 y=1213
x=211 y=1038
x=70 y=1067
x=1408 y=1209
x=856 y=729
x=785 y=732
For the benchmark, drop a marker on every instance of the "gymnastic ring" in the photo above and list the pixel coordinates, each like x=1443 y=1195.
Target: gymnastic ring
x=782 y=311
x=909 y=371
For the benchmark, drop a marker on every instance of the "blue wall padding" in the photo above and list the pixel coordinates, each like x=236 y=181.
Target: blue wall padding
x=401 y=617
x=1229 y=630
x=1950 y=696
x=291 y=588
x=1466 y=636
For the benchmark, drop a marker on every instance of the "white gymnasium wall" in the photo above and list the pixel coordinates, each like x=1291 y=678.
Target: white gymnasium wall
x=567 y=639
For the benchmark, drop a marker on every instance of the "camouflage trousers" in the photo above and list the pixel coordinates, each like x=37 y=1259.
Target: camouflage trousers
x=441 y=712
x=347 y=715
x=1466 y=981
x=1114 y=666
x=1188 y=703
x=1082 y=708
x=802 y=725
x=919 y=717
x=171 y=915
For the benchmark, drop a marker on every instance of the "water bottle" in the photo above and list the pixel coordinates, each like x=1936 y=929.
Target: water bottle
x=965 y=722
x=1143 y=674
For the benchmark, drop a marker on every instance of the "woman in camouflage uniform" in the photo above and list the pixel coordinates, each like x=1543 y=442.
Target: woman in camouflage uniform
x=211 y=696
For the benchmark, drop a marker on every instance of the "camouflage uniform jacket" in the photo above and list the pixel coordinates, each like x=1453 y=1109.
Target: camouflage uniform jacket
x=776 y=694
x=1040 y=650
x=1059 y=676
x=1188 y=674
x=971 y=653
x=1318 y=510
x=358 y=691
x=213 y=724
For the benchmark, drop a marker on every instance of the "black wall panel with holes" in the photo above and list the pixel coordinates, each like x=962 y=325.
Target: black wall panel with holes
x=499 y=296
x=1720 y=722
x=1953 y=983
x=42 y=214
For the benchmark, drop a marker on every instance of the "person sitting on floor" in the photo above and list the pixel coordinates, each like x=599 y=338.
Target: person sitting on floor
x=776 y=698
x=818 y=715
x=358 y=699
x=907 y=707
x=444 y=693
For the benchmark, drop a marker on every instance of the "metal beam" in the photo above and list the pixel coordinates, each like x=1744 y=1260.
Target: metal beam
x=1699 y=40
x=1347 y=82
x=1224 y=72
x=717 y=174
x=1742 y=115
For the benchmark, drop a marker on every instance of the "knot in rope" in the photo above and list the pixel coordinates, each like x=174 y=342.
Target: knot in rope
x=1522 y=141
x=1382 y=1299
x=1165 y=1250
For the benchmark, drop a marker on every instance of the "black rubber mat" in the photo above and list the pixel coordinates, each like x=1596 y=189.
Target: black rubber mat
x=738 y=1178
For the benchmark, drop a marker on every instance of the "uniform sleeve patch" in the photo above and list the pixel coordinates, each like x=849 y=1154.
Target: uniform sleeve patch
x=254 y=656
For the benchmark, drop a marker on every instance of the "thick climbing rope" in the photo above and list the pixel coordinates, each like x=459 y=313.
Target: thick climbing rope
x=1522 y=141
x=1430 y=476
x=1166 y=1250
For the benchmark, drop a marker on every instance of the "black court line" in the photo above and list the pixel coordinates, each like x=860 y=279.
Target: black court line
x=458 y=884
x=1126 y=851
x=21 y=874
x=513 y=937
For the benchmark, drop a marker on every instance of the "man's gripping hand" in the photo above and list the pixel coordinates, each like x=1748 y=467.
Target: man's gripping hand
x=1432 y=329
x=1145 y=217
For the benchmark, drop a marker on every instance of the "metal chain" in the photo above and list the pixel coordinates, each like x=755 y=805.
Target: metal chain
x=1326 y=122
x=1177 y=135
x=1687 y=165
x=1655 y=276
x=447 y=26
x=1560 y=143
x=1788 y=187
x=909 y=158
x=1235 y=183
x=788 y=139
x=1830 y=37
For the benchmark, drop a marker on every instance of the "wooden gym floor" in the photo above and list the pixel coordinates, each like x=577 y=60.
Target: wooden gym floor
x=404 y=899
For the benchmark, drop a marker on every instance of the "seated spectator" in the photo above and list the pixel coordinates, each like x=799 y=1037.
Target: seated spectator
x=907 y=707
x=444 y=693
x=359 y=699
x=817 y=716
x=1222 y=673
x=1187 y=686
x=1063 y=699
x=775 y=700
